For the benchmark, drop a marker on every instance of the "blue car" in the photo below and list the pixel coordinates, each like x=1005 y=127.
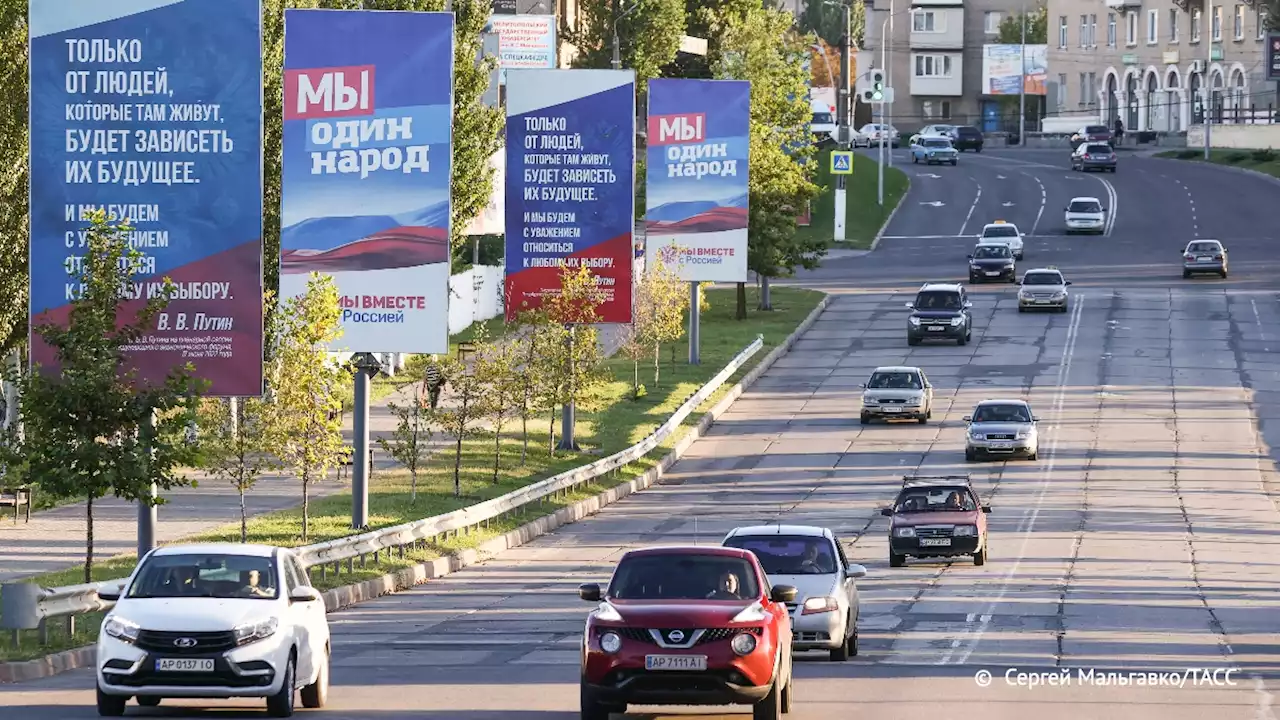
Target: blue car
x=932 y=150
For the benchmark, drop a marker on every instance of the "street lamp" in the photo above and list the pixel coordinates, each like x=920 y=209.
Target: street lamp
x=617 y=44
x=831 y=74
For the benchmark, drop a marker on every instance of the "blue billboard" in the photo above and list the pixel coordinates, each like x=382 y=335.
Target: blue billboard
x=150 y=111
x=368 y=117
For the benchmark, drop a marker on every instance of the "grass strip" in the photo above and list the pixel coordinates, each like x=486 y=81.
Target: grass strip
x=863 y=215
x=1263 y=161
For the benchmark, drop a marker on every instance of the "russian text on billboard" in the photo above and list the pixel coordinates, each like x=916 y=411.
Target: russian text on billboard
x=153 y=117
x=570 y=184
x=367 y=133
x=696 y=213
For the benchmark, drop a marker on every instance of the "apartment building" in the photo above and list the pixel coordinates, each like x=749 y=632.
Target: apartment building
x=932 y=51
x=1145 y=61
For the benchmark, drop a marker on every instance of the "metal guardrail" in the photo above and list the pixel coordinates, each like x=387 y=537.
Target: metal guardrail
x=26 y=606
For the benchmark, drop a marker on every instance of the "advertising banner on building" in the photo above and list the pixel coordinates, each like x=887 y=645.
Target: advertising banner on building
x=525 y=41
x=570 y=184
x=151 y=112
x=367 y=162
x=1273 y=57
x=1002 y=69
x=696 y=196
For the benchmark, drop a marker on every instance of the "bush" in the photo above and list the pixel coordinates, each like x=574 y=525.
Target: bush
x=1188 y=154
x=1267 y=155
x=1237 y=157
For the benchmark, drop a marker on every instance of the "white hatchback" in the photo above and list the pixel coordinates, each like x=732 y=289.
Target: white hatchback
x=1003 y=233
x=1085 y=214
x=214 y=621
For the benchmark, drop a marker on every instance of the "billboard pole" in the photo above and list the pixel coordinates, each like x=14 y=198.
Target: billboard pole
x=569 y=413
x=695 y=324
x=366 y=365
x=1022 y=86
x=842 y=124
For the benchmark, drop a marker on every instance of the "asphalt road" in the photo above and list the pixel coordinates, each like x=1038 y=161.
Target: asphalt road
x=1143 y=540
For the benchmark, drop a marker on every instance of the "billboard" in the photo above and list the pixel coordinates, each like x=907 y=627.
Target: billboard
x=1273 y=56
x=367 y=161
x=696 y=196
x=1002 y=69
x=570 y=184
x=152 y=113
x=525 y=41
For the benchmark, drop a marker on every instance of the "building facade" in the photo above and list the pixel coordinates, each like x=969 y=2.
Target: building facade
x=1146 y=61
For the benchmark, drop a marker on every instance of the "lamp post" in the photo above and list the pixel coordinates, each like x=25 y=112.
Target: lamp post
x=617 y=44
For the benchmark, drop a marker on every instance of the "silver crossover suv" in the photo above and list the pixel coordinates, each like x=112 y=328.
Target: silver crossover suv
x=1001 y=428
x=824 y=615
x=897 y=393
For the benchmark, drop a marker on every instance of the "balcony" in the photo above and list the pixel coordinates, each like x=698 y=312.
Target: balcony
x=1187 y=5
x=1126 y=5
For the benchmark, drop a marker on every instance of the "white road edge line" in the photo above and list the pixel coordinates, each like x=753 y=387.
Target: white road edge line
x=1032 y=514
x=1044 y=199
x=972 y=207
x=1114 y=200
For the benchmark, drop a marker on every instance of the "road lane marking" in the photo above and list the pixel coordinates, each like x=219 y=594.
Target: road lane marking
x=972 y=208
x=1113 y=201
x=1044 y=198
x=1262 y=332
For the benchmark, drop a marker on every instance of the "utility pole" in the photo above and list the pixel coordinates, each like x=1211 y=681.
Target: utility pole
x=886 y=109
x=843 y=122
x=1022 y=86
x=1206 y=103
x=617 y=44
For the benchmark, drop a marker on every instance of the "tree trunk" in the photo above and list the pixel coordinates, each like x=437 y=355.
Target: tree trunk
x=497 y=449
x=657 y=362
x=457 y=466
x=306 y=501
x=551 y=432
x=413 y=484
x=635 y=377
x=244 y=516
x=524 y=437
x=741 y=312
x=766 y=302
x=88 y=540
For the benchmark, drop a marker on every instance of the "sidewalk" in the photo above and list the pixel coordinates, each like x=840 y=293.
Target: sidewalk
x=54 y=539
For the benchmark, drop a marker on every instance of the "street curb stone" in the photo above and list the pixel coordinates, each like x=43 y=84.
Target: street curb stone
x=349 y=595
x=885 y=225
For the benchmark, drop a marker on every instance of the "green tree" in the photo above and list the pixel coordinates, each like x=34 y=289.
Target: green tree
x=1010 y=30
x=98 y=428
x=411 y=440
x=234 y=442
x=577 y=361
x=461 y=418
x=755 y=43
x=827 y=22
x=531 y=335
x=1270 y=15
x=649 y=35
x=498 y=365
x=661 y=299
x=307 y=386
x=13 y=173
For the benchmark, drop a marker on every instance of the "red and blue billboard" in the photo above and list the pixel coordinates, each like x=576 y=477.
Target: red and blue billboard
x=570 y=184
x=696 y=208
x=368 y=117
x=150 y=111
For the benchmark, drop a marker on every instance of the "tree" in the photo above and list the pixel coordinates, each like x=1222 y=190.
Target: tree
x=578 y=359
x=824 y=61
x=234 y=441
x=1010 y=30
x=411 y=439
x=1270 y=15
x=307 y=386
x=649 y=35
x=755 y=43
x=13 y=174
x=498 y=367
x=661 y=299
x=99 y=428
x=471 y=405
x=529 y=336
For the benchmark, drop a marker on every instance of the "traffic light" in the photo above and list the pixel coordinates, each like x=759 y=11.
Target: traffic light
x=875 y=93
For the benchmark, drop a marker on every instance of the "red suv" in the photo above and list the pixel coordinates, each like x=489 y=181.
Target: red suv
x=683 y=625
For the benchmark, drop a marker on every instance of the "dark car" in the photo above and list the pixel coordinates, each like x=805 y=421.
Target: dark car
x=1093 y=156
x=968 y=138
x=937 y=516
x=941 y=312
x=1091 y=133
x=687 y=625
x=992 y=262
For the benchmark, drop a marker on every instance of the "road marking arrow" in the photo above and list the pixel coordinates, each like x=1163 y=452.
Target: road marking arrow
x=1006 y=204
x=933 y=203
x=1001 y=177
x=930 y=175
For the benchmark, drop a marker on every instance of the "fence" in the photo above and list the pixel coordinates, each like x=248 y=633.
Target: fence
x=26 y=606
x=474 y=296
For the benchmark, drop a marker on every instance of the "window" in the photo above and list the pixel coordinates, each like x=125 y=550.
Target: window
x=1084 y=31
x=790 y=555
x=1062 y=90
x=933 y=66
x=946 y=109
x=1093 y=89
x=1173 y=25
x=991 y=20
x=1084 y=89
x=1237 y=23
x=1195 y=25
x=926 y=21
x=1259 y=22
x=1216 y=27
x=683 y=577
x=1131 y=29
x=1111 y=30
x=1153 y=26
x=1093 y=31
x=1062 y=31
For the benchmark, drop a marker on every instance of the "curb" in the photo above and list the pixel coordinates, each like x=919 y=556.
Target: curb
x=349 y=595
x=885 y=225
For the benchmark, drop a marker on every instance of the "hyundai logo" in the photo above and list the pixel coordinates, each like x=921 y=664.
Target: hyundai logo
x=185 y=642
x=676 y=636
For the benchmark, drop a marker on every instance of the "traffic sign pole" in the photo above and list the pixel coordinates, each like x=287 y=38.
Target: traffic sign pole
x=842 y=123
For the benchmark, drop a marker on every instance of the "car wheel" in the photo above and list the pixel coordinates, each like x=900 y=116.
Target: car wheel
x=148 y=700
x=913 y=341
x=1223 y=274
x=915 y=160
x=922 y=419
x=962 y=339
x=1021 y=309
x=1013 y=280
x=589 y=708
x=978 y=149
x=316 y=694
x=1186 y=274
x=1034 y=456
x=840 y=654
x=864 y=419
x=897 y=560
x=786 y=697
x=770 y=708
x=980 y=557
x=111 y=705
x=969 y=455
x=953 y=163
x=281 y=704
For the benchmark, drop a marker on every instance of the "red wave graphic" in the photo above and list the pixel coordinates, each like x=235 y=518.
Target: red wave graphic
x=723 y=218
x=524 y=288
x=400 y=247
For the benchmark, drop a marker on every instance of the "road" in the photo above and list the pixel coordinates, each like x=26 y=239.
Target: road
x=1138 y=542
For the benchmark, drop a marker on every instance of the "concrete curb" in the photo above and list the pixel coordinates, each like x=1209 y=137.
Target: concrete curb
x=885 y=225
x=349 y=595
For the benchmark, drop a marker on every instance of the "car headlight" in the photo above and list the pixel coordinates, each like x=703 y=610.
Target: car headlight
x=914 y=320
x=912 y=402
x=965 y=531
x=870 y=401
x=1024 y=295
x=121 y=629
x=816 y=605
x=607 y=612
x=610 y=642
x=905 y=532
x=975 y=435
x=743 y=643
x=752 y=613
x=1060 y=295
x=253 y=632
x=1024 y=434
x=956 y=321
x=974 y=265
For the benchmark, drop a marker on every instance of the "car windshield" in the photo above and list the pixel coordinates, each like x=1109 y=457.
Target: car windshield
x=935 y=499
x=1097 y=130
x=935 y=300
x=968 y=131
x=935 y=143
x=1000 y=231
x=684 y=577
x=823 y=118
x=1203 y=247
x=988 y=252
x=212 y=576
x=787 y=555
x=893 y=381
x=1001 y=413
x=1085 y=206
x=1042 y=278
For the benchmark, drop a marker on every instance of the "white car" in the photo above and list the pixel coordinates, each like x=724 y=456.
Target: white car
x=214 y=621
x=1085 y=214
x=1005 y=234
x=869 y=135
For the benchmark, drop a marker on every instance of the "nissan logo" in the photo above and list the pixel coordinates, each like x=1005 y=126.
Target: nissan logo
x=676 y=636
x=185 y=642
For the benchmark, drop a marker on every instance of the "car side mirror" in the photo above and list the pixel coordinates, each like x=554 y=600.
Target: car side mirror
x=782 y=594
x=109 y=595
x=1067 y=283
x=887 y=512
x=968 y=305
x=304 y=594
x=1104 y=209
x=967 y=418
x=863 y=386
x=855 y=571
x=910 y=306
x=969 y=256
x=589 y=592
x=1035 y=418
x=986 y=509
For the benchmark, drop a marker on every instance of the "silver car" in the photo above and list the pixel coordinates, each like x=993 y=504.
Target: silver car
x=1001 y=428
x=1043 y=289
x=1204 y=256
x=824 y=615
x=895 y=393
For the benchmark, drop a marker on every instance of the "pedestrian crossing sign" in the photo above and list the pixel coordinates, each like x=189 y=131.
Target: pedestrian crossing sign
x=841 y=162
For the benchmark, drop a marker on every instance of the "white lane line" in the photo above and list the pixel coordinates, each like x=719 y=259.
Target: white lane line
x=1191 y=205
x=1257 y=318
x=971 y=208
x=1030 y=516
x=1044 y=198
x=1112 y=209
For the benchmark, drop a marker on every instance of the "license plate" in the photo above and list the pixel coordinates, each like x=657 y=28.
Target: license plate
x=1042 y=302
x=675 y=662
x=184 y=665
x=1204 y=259
x=890 y=409
x=936 y=329
x=937 y=542
x=1001 y=445
x=993 y=273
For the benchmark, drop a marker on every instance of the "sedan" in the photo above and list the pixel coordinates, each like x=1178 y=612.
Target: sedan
x=1085 y=214
x=1001 y=428
x=932 y=150
x=1204 y=256
x=992 y=261
x=897 y=393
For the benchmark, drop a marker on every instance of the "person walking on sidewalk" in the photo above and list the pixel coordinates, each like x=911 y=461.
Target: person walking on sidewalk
x=1119 y=133
x=435 y=382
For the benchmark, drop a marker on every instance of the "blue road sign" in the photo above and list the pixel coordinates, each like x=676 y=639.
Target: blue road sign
x=841 y=162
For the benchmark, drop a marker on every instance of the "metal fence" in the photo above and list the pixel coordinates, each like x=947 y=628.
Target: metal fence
x=26 y=606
